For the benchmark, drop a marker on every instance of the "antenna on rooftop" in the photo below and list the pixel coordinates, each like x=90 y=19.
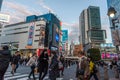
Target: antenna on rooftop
x=49 y=11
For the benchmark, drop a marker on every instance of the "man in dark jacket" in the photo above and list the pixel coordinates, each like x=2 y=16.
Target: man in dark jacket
x=43 y=64
x=54 y=67
x=5 y=56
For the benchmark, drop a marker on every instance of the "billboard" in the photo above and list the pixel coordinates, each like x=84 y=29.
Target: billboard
x=31 y=33
x=42 y=33
x=4 y=18
x=64 y=35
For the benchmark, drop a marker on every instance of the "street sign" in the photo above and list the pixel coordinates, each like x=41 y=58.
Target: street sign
x=64 y=35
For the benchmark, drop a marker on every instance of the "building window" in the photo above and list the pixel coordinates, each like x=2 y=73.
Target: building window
x=36 y=40
x=17 y=33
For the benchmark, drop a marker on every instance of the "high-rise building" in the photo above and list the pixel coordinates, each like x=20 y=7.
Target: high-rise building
x=90 y=26
x=115 y=31
x=1 y=4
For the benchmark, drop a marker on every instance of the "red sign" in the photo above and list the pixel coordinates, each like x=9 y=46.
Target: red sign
x=39 y=51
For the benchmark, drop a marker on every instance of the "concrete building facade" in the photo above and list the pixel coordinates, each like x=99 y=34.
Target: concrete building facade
x=115 y=30
x=34 y=33
x=90 y=27
x=1 y=4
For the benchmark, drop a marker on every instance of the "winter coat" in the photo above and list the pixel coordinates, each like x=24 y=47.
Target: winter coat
x=32 y=61
x=15 y=59
x=43 y=63
x=5 y=57
x=84 y=65
x=54 y=68
x=91 y=66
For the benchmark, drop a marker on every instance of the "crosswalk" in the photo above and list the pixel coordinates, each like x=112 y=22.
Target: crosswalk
x=20 y=76
x=23 y=76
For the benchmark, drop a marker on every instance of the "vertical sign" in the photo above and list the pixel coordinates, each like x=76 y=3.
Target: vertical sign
x=31 y=33
x=42 y=33
x=115 y=36
x=64 y=36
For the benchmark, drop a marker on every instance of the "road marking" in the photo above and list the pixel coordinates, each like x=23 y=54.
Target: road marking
x=18 y=76
x=59 y=78
x=8 y=75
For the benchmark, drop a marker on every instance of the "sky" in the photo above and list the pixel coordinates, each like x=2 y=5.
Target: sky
x=68 y=11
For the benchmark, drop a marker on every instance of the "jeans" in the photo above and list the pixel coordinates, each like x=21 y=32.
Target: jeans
x=17 y=65
x=41 y=77
x=32 y=72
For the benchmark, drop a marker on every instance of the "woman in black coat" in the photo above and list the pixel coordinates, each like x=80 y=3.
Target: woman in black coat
x=54 y=67
x=43 y=64
x=5 y=56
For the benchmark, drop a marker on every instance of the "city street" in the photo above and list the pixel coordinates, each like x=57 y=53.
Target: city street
x=69 y=74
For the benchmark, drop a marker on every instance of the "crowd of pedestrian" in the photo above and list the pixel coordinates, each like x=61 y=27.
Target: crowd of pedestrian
x=86 y=68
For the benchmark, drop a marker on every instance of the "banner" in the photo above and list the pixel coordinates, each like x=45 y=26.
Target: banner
x=42 y=33
x=115 y=36
x=4 y=18
x=31 y=33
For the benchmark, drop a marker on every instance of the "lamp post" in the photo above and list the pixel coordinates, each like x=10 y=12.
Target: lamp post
x=111 y=13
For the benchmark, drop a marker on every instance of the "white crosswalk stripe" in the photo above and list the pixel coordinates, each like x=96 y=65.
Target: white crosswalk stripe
x=19 y=76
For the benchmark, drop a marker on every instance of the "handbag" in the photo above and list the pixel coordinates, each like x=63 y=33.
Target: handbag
x=80 y=72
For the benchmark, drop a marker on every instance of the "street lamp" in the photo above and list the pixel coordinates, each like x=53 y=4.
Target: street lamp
x=111 y=13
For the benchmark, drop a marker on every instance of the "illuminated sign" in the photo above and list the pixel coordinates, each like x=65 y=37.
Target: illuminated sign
x=64 y=35
x=4 y=18
x=57 y=37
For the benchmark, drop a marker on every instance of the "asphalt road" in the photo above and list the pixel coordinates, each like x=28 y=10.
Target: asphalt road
x=69 y=74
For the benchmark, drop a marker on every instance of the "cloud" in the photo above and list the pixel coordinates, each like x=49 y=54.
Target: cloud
x=18 y=7
x=43 y=5
x=18 y=12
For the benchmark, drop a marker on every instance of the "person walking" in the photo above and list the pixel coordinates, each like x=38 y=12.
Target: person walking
x=5 y=56
x=54 y=67
x=106 y=77
x=43 y=64
x=93 y=69
x=14 y=62
x=32 y=63
x=62 y=60
x=18 y=60
x=82 y=70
